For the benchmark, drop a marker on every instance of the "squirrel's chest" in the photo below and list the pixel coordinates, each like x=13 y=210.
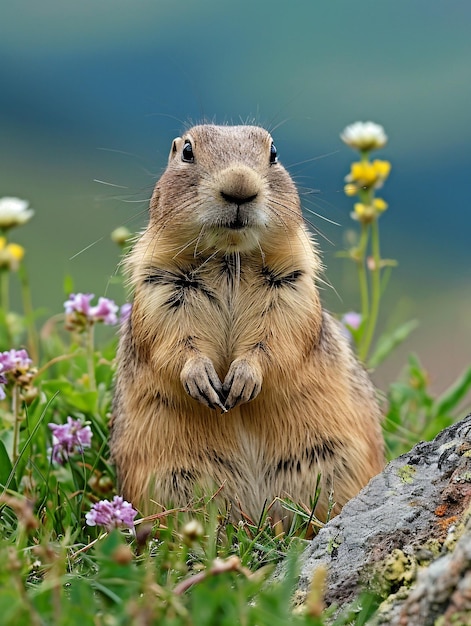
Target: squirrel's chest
x=230 y=297
x=229 y=293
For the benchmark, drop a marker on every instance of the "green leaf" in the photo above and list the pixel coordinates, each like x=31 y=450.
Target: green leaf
x=84 y=401
x=453 y=396
x=83 y=602
x=7 y=477
x=12 y=607
x=111 y=543
x=5 y=339
x=387 y=343
x=363 y=608
x=114 y=580
x=68 y=285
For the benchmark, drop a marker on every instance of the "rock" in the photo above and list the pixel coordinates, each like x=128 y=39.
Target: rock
x=406 y=537
x=442 y=593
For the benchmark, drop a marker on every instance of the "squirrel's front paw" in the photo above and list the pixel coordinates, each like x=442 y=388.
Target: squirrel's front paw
x=202 y=383
x=242 y=383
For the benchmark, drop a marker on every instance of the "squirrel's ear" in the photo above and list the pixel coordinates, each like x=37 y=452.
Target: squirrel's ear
x=175 y=149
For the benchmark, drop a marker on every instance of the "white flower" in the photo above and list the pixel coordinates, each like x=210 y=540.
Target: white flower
x=14 y=212
x=364 y=136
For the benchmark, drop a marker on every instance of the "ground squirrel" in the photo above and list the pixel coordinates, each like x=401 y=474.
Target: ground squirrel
x=230 y=373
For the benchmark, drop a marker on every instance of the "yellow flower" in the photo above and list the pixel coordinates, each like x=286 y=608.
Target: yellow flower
x=382 y=168
x=364 y=213
x=365 y=175
x=16 y=251
x=380 y=205
x=10 y=254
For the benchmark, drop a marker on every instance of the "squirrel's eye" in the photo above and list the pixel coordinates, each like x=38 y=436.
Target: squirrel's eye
x=187 y=152
x=273 y=154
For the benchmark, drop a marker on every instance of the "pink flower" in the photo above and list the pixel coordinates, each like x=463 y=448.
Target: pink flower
x=105 y=312
x=80 y=313
x=78 y=303
x=68 y=439
x=3 y=381
x=351 y=321
x=18 y=363
x=114 y=514
x=14 y=360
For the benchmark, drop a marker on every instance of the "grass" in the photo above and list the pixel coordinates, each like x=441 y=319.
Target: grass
x=184 y=567
x=187 y=566
x=180 y=567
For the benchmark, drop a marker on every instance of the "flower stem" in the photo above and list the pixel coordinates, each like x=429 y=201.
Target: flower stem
x=16 y=421
x=29 y=314
x=5 y=290
x=362 y=276
x=375 y=292
x=91 y=357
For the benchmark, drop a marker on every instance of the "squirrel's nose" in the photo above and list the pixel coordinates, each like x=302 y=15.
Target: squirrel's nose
x=237 y=198
x=239 y=184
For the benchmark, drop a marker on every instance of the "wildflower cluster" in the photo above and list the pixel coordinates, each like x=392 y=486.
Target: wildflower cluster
x=68 y=439
x=114 y=514
x=15 y=365
x=13 y=212
x=366 y=176
x=80 y=314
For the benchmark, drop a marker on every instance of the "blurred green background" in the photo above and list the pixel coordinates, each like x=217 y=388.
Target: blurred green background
x=97 y=89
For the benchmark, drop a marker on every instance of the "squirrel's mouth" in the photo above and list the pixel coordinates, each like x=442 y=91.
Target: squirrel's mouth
x=238 y=234
x=236 y=218
x=237 y=224
x=237 y=209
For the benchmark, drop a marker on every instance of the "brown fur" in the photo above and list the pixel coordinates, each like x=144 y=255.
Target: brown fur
x=226 y=309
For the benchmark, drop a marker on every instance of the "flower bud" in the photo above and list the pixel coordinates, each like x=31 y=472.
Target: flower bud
x=121 y=235
x=350 y=189
x=122 y=555
x=364 y=213
x=192 y=531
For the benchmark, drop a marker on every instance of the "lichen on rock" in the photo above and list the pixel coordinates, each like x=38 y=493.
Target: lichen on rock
x=406 y=536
